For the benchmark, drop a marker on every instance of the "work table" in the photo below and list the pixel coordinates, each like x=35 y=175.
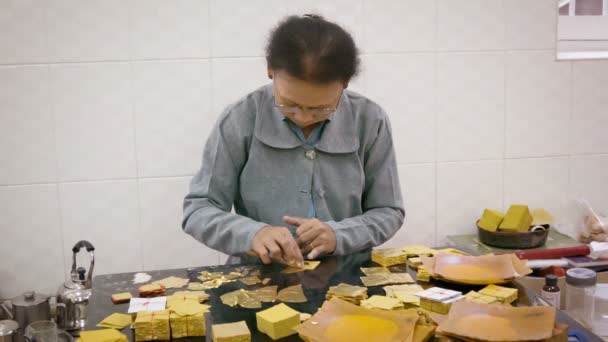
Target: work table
x=332 y=271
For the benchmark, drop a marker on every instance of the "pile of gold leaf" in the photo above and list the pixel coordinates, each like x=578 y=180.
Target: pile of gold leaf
x=387 y=279
x=389 y=256
x=251 y=299
x=251 y=280
x=350 y=293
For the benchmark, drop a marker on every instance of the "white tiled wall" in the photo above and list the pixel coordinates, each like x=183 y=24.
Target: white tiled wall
x=105 y=106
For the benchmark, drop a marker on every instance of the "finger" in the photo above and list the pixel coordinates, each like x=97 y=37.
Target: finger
x=294 y=221
x=306 y=249
x=310 y=235
x=274 y=251
x=318 y=248
x=306 y=226
x=262 y=253
x=290 y=249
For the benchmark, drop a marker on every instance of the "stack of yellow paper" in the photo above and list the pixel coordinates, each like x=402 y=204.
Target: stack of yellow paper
x=278 y=321
x=104 y=335
x=405 y=293
x=181 y=297
x=423 y=275
x=151 y=326
x=231 y=332
x=505 y=295
x=116 y=321
x=382 y=302
x=350 y=293
x=414 y=262
x=187 y=318
x=202 y=295
x=477 y=297
x=389 y=257
x=413 y=251
x=438 y=300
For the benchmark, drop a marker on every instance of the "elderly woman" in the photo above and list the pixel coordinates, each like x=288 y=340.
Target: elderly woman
x=308 y=166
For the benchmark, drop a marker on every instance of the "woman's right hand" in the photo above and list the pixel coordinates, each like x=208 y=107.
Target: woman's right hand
x=276 y=243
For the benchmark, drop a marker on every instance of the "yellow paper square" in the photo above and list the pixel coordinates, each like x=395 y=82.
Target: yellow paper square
x=104 y=335
x=116 y=320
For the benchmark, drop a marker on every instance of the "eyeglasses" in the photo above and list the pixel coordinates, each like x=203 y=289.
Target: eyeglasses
x=292 y=109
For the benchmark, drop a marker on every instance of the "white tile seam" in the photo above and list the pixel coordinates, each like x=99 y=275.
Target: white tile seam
x=436 y=117
x=569 y=190
x=132 y=97
x=211 y=85
x=51 y=108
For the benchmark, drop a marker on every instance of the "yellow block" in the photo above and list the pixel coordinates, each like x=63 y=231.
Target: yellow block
x=518 y=219
x=490 y=220
x=187 y=318
x=231 y=332
x=151 y=326
x=438 y=307
x=278 y=321
x=504 y=295
x=423 y=275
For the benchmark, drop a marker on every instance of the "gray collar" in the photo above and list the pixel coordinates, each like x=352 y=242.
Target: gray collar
x=339 y=135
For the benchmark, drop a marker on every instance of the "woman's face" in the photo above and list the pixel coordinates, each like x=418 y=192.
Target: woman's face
x=313 y=102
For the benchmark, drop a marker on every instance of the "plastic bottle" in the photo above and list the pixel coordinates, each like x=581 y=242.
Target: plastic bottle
x=580 y=301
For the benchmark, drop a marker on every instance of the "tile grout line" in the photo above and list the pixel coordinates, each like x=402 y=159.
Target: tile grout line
x=436 y=117
x=504 y=108
x=135 y=150
x=56 y=182
x=211 y=84
x=569 y=191
x=204 y=58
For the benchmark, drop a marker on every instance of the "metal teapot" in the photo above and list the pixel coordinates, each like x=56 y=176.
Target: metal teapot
x=27 y=308
x=73 y=296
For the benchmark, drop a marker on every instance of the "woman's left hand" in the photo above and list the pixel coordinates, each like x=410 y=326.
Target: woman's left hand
x=318 y=236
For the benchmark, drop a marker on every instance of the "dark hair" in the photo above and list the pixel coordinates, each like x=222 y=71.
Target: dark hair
x=313 y=49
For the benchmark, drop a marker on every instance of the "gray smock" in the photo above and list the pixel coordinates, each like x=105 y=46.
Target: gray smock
x=255 y=162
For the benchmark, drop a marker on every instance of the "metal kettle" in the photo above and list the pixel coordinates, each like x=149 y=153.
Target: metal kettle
x=28 y=308
x=73 y=296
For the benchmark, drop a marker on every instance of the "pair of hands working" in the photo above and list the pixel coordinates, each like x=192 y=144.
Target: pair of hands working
x=273 y=243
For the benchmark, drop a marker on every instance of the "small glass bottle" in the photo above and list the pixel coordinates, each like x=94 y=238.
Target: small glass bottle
x=580 y=291
x=551 y=293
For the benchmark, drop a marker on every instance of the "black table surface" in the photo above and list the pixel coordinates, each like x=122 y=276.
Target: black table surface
x=332 y=271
